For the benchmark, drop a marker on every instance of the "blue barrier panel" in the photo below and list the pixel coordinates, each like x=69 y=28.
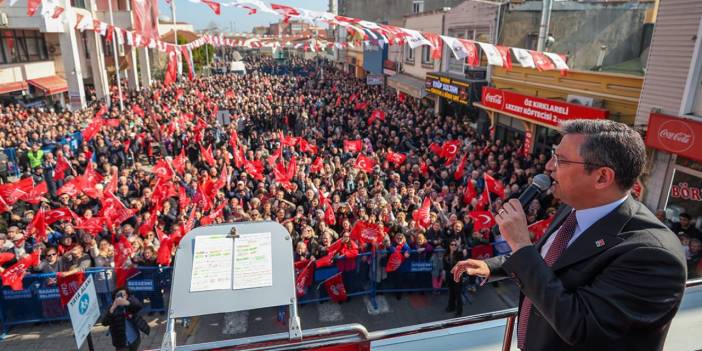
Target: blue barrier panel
x=39 y=301
x=12 y=166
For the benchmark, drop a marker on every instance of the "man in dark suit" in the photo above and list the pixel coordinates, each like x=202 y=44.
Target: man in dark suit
x=607 y=275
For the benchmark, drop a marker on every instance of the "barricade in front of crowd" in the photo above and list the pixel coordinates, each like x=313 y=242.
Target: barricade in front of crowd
x=39 y=301
x=73 y=141
x=355 y=272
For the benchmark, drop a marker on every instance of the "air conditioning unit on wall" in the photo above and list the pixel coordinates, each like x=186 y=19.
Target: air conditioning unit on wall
x=584 y=100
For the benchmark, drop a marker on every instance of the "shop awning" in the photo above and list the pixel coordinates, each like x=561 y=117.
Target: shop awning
x=408 y=84
x=50 y=85
x=14 y=86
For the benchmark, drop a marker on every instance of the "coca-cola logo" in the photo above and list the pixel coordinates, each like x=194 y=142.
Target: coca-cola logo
x=493 y=98
x=676 y=135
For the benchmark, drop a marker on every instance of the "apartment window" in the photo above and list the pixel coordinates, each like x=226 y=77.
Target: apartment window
x=417 y=6
x=22 y=46
x=692 y=96
x=426 y=55
x=409 y=54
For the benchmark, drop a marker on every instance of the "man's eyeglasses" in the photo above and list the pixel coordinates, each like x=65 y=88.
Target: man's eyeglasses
x=51 y=255
x=558 y=161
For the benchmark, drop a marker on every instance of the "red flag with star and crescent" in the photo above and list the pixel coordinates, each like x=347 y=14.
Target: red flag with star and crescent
x=365 y=164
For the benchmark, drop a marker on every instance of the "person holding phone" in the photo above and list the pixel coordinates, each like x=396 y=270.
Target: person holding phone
x=124 y=322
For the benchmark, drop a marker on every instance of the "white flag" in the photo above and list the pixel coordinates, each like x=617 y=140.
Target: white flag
x=558 y=60
x=524 y=58
x=493 y=55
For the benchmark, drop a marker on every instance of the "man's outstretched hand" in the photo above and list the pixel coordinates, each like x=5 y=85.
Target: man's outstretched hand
x=471 y=267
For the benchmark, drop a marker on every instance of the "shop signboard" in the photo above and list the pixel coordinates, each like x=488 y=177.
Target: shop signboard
x=448 y=88
x=389 y=68
x=375 y=79
x=545 y=111
x=676 y=135
x=685 y=194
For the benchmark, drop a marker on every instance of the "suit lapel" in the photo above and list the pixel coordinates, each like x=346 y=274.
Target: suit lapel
x=561 y=215
x=601 y=236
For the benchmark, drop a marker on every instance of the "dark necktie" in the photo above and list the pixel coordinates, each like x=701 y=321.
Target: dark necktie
x=559 y=244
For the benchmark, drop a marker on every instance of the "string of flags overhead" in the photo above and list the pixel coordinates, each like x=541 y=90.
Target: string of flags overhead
x=361 y=33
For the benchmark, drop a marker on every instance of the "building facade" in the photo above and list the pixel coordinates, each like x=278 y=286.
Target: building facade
x=671 y=111
x=389 y=11
x=61 y=63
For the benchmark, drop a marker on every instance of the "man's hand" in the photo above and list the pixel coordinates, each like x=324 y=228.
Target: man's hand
x=513 y=225
x=471 y=267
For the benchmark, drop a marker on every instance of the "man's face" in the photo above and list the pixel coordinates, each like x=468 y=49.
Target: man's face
x=684 y=222
x=571 y=182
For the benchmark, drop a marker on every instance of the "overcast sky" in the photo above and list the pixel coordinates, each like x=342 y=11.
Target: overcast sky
x=232 y=18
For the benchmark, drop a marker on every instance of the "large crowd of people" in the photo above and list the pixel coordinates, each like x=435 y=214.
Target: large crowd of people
x=258 y=147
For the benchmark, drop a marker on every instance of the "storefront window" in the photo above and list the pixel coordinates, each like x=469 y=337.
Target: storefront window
x=22 y=46
x=685 y=196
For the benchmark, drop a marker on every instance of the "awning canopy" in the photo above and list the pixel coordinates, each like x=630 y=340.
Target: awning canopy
x=408 y=84
x=50 y=85
x=14 y=86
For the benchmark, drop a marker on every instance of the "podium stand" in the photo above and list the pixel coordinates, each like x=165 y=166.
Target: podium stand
x=255 y=246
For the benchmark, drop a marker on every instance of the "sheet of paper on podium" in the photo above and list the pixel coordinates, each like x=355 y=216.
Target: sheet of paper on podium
x=212 y=263
x=253 y=261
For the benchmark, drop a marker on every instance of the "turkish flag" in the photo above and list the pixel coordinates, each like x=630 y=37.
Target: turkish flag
x=325 y=261
x=460 y=170
x=352 y=145
x=316 y=165
x=163 y=170
x=32 y=6
x=305 y=146
x=353 y=97
x=73 y=187
x=285 y=11
x=207 y=155
x=61 y=167
x=506 y=56
x=395 y=260
x=91 y=176
x=58 y=214
x=215 y=6
x=12 y=276
x=422 y=215
x=396 y=157
x=436 y=149
x=68 y=285
x=481 y=252
x=494 y=186
x=542 y=62
x=424 y=168
x=469 y=193
x=449 y=150
x=335 y=288
x=484 y=201
x=481 y=219
x=147 y=225
x=538 y=229
x=364 y=163
x=338 y=101
x=112 y=185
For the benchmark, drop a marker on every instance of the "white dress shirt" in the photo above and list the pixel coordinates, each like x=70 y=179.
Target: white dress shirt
x=585 y=218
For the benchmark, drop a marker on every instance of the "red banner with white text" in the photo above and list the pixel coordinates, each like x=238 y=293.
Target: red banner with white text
x=537 y=109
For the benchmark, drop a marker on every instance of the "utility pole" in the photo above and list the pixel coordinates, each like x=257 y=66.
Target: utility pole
x=116 y=56
x=545 y=21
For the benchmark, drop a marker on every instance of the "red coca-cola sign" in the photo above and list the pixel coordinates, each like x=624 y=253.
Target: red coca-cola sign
x=675 y=135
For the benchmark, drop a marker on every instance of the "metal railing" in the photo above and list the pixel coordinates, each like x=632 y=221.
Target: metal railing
x=357 y=333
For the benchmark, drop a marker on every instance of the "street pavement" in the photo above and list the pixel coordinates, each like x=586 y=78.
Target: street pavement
x=411 y=309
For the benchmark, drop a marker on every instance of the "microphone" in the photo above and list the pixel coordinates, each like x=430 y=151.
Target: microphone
x=539 y=184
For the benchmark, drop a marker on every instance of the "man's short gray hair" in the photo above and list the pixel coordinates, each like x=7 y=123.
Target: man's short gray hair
x=610 y=144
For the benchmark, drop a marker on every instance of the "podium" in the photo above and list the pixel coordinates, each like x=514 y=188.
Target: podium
x=232 y=267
